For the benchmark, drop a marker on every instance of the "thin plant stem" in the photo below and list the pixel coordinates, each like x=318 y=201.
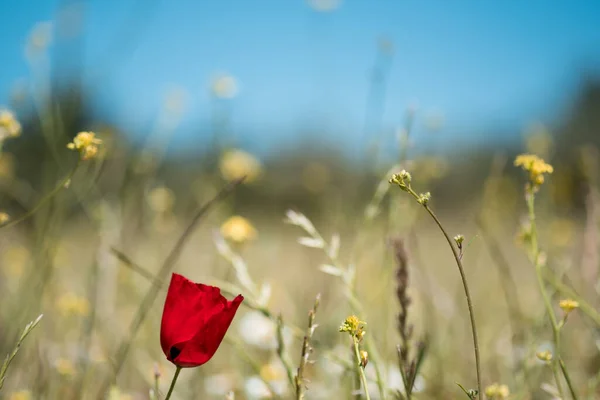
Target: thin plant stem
x=463 y=277
x=306 y=349
x=361 y=370
x=177 y=371
x=61 y=185
x=535 y=253
x=281 y=353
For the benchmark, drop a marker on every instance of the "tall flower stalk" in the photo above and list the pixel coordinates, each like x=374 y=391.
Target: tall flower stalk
x=537 y=168
x=403 y=180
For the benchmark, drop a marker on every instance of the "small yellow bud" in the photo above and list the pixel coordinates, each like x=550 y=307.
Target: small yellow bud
x=568 y=305
x=364 y=358
x=544 y=355
x=424 y=198
x=459 y=239
x=401 y=179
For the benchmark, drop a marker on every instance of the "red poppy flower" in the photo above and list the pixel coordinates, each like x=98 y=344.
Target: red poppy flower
x=194 y=321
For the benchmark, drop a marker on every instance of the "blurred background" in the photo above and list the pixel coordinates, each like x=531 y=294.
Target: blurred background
x=317 y=102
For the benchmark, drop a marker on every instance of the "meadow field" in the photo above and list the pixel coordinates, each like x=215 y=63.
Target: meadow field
x=402 y=272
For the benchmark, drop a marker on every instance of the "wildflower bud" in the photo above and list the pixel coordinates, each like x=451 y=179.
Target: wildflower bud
x=86 y=144
x=459 y=239
x=401 y=179
x=354 y=327
x=360 y=334
x=364 y=358
x=544 y=355
x=9 y=126
x=424 y=198
x=568 y=305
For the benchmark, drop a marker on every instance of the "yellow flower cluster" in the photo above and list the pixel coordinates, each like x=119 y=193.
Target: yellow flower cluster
x=497 y=392
x=86 y=144
x=536 y=167
x=402 y=179
x=568 y=305
x=238 y=229
x=354 y=326
x=9 y=126
x=71 y=304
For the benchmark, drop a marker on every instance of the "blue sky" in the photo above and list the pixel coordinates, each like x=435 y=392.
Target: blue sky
x=485 y=66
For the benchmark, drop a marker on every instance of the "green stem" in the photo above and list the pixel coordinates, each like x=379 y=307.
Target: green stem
x=463 y=277
x=361 y=370
x=557 y=360
x=177 y=371
x=44 y=199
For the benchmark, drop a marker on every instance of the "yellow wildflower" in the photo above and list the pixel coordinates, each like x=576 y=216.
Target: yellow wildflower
x=4 y=218
x=238 y=229
x=272 y=372
x=161 y=199
x=236 y=164
x=544 y=355
x=568 y=305
x=71 y=304
x=21 y=395
x=9 y=126
x=64 y=367
x=497 y=392
x=353 y=326
x=86 y=144
x=535 y=166
x=15 y=259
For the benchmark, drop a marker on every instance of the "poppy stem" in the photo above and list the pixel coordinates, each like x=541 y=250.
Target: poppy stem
x=177 y=371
